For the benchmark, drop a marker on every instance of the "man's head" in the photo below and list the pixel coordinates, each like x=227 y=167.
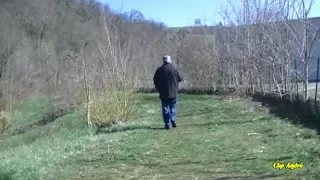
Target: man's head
x=167 y=59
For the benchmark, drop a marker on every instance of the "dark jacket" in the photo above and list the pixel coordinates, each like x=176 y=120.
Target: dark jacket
x=166 y=80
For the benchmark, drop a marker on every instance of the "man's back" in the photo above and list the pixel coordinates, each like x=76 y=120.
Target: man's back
x=167 y=80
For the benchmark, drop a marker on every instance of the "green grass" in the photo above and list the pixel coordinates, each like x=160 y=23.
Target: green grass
x=27 y=113
x=212 y=141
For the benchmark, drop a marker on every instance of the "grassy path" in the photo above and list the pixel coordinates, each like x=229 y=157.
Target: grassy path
x=215 y=139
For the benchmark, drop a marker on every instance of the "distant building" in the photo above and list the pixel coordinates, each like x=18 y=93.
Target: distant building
x=218 y=37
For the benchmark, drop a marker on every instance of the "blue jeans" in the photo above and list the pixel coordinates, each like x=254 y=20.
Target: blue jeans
x=169 y=111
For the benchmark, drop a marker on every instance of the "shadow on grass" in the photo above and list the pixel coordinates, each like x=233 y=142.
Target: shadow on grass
x=153 y=98
x=195 y=90
x=126 y=128
x=296 y=112
x=47 y=118
x=150 y=99
x=116 y=129
x=6 y=175
x=208 y=124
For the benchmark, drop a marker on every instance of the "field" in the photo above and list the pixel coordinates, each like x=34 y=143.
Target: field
x=215 y=139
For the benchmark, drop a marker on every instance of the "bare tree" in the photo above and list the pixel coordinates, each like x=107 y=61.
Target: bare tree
x=259 y=44
x=307 y=41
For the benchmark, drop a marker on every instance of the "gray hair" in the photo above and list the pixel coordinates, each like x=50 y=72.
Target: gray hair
x=167 y=59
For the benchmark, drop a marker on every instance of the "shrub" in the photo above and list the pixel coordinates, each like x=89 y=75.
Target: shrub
x=4 y=121
x=111 y=106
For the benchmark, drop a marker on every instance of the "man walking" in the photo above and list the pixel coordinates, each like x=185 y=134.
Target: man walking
x=166 y=81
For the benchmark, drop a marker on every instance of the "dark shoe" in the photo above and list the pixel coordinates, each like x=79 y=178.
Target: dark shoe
x=166 y=127
x=173 y=124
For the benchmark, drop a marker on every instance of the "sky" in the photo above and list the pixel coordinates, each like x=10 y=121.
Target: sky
x=180 y=13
